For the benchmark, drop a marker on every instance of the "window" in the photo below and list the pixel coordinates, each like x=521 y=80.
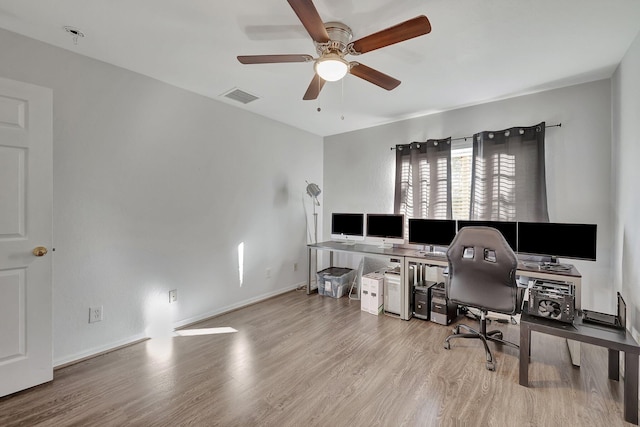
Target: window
x=423 y=183
x=495 y=198
x=421 y=198
x=461 y=161
x=494 y=175
x=508 y=175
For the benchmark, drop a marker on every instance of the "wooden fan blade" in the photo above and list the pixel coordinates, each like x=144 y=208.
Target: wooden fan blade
x=273 y=59
x=415 y=27
x=373 y=76
x=314 y=88
x=311 y=20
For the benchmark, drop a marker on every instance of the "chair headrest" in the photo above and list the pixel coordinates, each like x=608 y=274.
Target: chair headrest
x=481 y=238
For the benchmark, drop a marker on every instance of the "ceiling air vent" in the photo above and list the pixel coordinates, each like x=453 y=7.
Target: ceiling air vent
x=240 y=96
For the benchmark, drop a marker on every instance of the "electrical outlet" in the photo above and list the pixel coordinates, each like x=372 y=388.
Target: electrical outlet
x=173 y=296
x=268 y=273
x=95 y=314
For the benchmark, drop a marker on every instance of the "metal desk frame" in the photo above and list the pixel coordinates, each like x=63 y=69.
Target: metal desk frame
x=406 y=256
x=394 y=254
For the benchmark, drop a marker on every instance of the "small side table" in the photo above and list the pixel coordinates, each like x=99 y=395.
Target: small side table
x=615 y=340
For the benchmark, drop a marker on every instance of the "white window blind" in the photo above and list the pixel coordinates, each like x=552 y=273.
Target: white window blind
x=423 y=186
x=461 y=161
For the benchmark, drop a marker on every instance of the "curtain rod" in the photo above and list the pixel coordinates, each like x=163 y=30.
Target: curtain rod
x=466 y=137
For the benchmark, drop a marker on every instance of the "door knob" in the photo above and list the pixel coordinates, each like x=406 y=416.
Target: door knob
x=40 y=251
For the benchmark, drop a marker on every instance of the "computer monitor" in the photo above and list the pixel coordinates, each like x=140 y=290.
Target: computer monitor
x=387 y=229
x=432 y=232
x=509 y=229
x=347 y=226
x=558 y=239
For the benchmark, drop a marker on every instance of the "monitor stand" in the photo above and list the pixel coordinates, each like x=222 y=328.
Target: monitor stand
x=537 y=261
x=432 y=252
x=555 y=266
x=349 y=243
x=385 y=245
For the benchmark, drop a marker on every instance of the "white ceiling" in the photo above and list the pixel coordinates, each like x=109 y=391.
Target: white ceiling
x=478 y=50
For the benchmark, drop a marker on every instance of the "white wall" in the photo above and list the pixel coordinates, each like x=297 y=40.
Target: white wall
x=626 y=178
x=359 y=166
x=154 y=188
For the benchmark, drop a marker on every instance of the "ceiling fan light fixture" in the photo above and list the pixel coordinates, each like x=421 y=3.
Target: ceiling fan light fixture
x=331 y=67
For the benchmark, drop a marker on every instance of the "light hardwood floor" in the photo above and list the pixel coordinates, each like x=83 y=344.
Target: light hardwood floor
x=301 y=360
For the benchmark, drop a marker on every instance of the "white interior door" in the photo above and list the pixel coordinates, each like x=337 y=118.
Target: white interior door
x=26 y=191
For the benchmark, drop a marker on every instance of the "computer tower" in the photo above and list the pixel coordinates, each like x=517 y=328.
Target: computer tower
x=441 y=310
x=392 y=293
x=421 y=302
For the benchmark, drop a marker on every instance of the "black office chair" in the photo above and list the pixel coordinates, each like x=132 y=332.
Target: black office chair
x=482 y=275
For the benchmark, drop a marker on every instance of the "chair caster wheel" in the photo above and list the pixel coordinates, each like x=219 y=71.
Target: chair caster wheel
x=491 y=366
x=447 y=345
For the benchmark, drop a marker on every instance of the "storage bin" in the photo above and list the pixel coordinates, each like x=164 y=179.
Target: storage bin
x=335 y=281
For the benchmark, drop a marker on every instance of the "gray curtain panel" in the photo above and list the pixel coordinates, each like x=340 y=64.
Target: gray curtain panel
x=508 y=175
x=423 y=179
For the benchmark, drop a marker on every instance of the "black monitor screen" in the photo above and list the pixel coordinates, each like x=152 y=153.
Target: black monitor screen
x=436 y=232
x=556 y=239
x=509 y=229
x=349 y=224
x=385 y=226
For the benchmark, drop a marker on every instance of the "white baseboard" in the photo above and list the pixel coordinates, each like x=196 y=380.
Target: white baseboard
x=96 y=351
x=228 y=308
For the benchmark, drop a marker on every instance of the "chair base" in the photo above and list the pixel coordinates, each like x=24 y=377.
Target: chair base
x=482 y=335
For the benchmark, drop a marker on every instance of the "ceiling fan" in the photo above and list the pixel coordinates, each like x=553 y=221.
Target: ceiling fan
x=333 y=43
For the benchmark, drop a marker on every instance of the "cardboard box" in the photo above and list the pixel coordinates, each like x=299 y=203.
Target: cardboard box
x=372 y=298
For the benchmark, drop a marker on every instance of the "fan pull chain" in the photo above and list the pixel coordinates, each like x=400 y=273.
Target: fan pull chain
x=342 y=99
x=318 y=97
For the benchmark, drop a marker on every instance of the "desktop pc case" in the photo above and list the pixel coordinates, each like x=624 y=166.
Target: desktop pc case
x=552 y=300
x=392 y=292
x=421 y=303
x=441 y=310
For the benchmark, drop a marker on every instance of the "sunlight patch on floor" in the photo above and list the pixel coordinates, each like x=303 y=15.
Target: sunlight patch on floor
x=160 y=349
x=205 y=331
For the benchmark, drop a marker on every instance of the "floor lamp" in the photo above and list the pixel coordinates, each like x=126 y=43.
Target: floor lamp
x=314 y=191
